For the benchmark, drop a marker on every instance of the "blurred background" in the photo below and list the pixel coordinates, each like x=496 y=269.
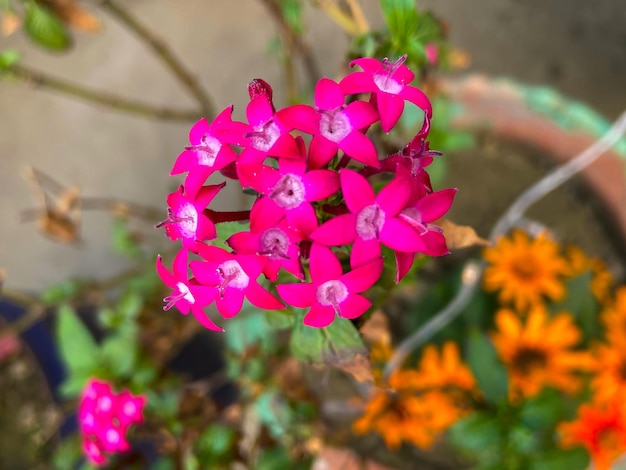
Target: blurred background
x=575 y=46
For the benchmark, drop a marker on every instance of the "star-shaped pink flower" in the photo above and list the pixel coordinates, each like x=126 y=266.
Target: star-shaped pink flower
x=330 y=292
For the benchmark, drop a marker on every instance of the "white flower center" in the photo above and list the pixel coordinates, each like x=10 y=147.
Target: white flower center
x=331 y=293
x=275 y=243
x=288 y=192
x=187 y=219
x=232 y=275
x=105 y=403
x=129 y=408
x=334 y=125
x=207 y=151
x=112 y=436
x=370 y=221
x=264 y=137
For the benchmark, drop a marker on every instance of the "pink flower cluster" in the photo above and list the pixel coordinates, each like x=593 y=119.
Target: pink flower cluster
x=314 y=199
x=104 y=417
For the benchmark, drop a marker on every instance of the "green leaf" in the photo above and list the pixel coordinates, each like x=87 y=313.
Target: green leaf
x=8 y=58
x=544 y=410
x=581 y=303
x=61 y=292
x=487 y=368
x=479 y=437
x=119 y=352
x=122 y=239
x=280 y=319
x=247 y=329
x=337 y=342
x=130 y=304
x=43 y=27
x=401 y=18
x=557 y=459
x=225 y=230
x=217 y=440
x=67 y=454
x=273 y=459
x=77 y=347
x=274 y=412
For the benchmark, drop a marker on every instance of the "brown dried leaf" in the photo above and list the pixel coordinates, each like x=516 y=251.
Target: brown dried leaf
x=59 y=227
x=460 y=236
x=9 y=23
x=358 y=367
x=75 y=15
x=376 y=329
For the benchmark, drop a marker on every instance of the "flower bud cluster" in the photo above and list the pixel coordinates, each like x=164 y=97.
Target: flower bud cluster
x=104 y=418
x=311 y=168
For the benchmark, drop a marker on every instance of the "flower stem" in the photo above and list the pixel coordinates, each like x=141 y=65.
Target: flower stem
x=226 y=216
x=40 y=79
x=163 y=52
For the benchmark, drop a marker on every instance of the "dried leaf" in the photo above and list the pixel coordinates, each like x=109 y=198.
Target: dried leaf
x=460 y=236
x=358 y=367
x=9 y=23
x=376 y=329
x=59 y=227
x=75 y=15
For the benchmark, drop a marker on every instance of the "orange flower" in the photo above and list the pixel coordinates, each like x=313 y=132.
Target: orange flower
x=579 y=263
x=525 y=270
x=601 y=429
x=614 y=319
x=538 y=352
x=422 y=403
x=443 y=371
x=609 y=381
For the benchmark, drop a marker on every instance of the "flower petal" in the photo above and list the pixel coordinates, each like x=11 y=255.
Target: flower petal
x=328 y=94
x=299 y=295
x=199 y=130
x=435 y=205
x=390 y=108
x=324 y=264
x=321 y=151
x=354 y=306
x=320 y=184
x=361 y=114
x=357 y=82
x=204 y=319
x=357 y=191
x=399 y=236
x=168 y=278
x=319 y=316
x=300 y=116
x=302 y=218
x=364 y=277
x=340 y=230
x=259 y=111
x=404 y=263
x=364 y=251
x=394 y=196
x=261 y=298
x=230 y=302
x=418 y=98
x=361 y=148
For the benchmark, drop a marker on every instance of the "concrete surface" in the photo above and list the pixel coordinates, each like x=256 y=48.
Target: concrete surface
x=577 y=46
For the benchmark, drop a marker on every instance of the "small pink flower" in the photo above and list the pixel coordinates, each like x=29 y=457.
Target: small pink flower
x=334 y=125
x=289 y=190
x=187 y=295
x=373 y=219
x=104 y=419
x=267 y=135
x=209 y=150
x=432 y=53
x=389 y=84
x=278 y=243
x=419 y=216
x=186 y=219
x=330 y=292
x=234 y=277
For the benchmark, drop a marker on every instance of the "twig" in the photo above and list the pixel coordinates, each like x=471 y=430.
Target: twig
x=40 y=79
x=294 y=43
x=362 y=25
x=164 y=53
x=334 y=12
x=472 y=272
x=36 y=312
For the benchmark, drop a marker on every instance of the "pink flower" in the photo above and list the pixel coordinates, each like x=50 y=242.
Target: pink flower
x=330 y=292
x=234 y=277
x=209 y=150
x=373 y=219
x=104 y=418
x=278 y=243
x=389 y=84
x=289 y=190
x=186 y=219
x=432 y=53
x=419 y=216
x=187 y=295
x=334 y=125
x=267 y=135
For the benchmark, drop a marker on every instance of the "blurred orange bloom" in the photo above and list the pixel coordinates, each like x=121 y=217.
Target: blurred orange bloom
x=538 y=352
x=422 y=403
x=579 y=263
x=601 y=429
x=609 y=381
x=525 y=270
x=614 y=319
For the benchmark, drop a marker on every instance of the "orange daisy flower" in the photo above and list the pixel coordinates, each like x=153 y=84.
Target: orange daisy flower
x=538 y=352
x=609 y=381
x=524 y=271
x=422 y=403
x=601 y=429
x=614 y=319
x=579 y=263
